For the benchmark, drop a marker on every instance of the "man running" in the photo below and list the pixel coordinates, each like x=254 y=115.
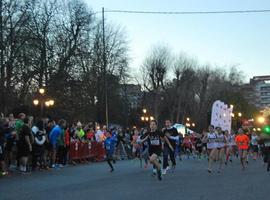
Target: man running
x=242 y=141
x=171 y=133
x=154 y=138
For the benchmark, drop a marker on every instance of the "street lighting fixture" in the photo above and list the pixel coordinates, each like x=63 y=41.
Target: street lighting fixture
x=151 y=118
x=35 y=102
x=239 y=114
x=144 y=110
x=47 y=103
x=147 y=119
x=51 y=102
x=41 y=90
x=188 y=119
x=232 y=114
x=193 y=124
x=261 y=119
x=142 y=118
x=231 y=106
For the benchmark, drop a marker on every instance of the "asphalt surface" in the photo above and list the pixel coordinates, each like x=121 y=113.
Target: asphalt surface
x=190 y=181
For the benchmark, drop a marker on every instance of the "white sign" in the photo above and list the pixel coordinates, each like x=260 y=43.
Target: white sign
x=221 y=115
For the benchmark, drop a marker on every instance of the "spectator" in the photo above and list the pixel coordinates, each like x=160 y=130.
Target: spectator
x=24 y=144
x=90 y=135
x=39 y=134
x=79 y=131
x=2 y=149
x=61 y=149
x=53 y=137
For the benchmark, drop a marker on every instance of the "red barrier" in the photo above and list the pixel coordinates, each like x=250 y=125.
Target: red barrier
x=87 y=150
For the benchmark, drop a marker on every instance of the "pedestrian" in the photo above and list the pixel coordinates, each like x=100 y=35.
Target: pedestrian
x=39 y=135
x=53 y=137
x=211 y=139
x=221 y=142
x=254 y=145
x=242 y=141
x=155 y=138
x=3 y=169
x=24 y=145
x=172 y=135
x=109 y=144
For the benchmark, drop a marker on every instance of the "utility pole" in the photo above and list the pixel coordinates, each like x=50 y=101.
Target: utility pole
x=105 y=69
x=2 y=87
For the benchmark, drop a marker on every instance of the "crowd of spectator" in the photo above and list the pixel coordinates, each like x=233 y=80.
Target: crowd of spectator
x=28 y=144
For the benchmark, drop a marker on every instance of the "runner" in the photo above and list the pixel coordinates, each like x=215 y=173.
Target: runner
x=231 y=146
x=254 y=145
x=109 y=145
x=135 y=145
x=154 y=138
x=242 y=141
x=211 y=139
x=265 y=144
x=221 y=141
x=171 y=133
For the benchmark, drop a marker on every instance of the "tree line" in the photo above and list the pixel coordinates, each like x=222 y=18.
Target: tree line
x=178 y=87
x=58 y=44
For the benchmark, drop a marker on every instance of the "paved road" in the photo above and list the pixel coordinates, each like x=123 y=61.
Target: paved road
x=93 y=181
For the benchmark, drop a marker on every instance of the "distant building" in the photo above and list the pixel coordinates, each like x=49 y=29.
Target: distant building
x=257 y=91
x=132 y=94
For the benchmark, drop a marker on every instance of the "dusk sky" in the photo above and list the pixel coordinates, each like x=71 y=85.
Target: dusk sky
x=219 y=40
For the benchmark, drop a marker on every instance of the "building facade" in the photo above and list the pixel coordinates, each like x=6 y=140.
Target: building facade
x=132 y=94
x=257 y=91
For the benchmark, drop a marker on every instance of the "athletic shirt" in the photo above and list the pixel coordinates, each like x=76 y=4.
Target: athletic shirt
x=221 y=141
x=154 y=140
x=242 y=141
x=231 y=140
x=254 y=140
x=211 y=140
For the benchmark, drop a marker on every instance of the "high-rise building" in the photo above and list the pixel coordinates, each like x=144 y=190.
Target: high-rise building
x=257 y=91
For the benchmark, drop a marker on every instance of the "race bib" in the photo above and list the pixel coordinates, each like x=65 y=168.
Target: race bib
x=155 y=142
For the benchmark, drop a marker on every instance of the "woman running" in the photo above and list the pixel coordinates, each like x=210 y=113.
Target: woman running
x=211 y=139
x=242 y=141
x=154 y=138
x=231 y=146
x=254 y=145
x=221 y=142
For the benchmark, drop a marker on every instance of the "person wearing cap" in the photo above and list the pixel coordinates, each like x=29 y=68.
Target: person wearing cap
x=79 y=130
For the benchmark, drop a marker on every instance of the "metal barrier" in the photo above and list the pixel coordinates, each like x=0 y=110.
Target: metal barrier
x=87 y=150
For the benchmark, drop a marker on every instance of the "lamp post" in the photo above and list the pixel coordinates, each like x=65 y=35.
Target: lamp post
x=42 y=101
x=189 y=124
x=145 y=118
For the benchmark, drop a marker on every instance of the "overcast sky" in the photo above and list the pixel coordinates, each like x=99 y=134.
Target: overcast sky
x=222 y=40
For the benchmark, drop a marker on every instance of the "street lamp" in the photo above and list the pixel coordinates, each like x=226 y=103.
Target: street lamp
x=144 y=111
x=41 y=91
x=261 y=119
x=41 y=101
x=142 y=118
x=152 y=118
x=239 y=114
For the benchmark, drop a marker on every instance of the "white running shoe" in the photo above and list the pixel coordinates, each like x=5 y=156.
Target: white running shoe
x=164 y=171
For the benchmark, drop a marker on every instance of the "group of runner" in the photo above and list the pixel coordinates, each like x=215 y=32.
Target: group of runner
x=160 y=146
